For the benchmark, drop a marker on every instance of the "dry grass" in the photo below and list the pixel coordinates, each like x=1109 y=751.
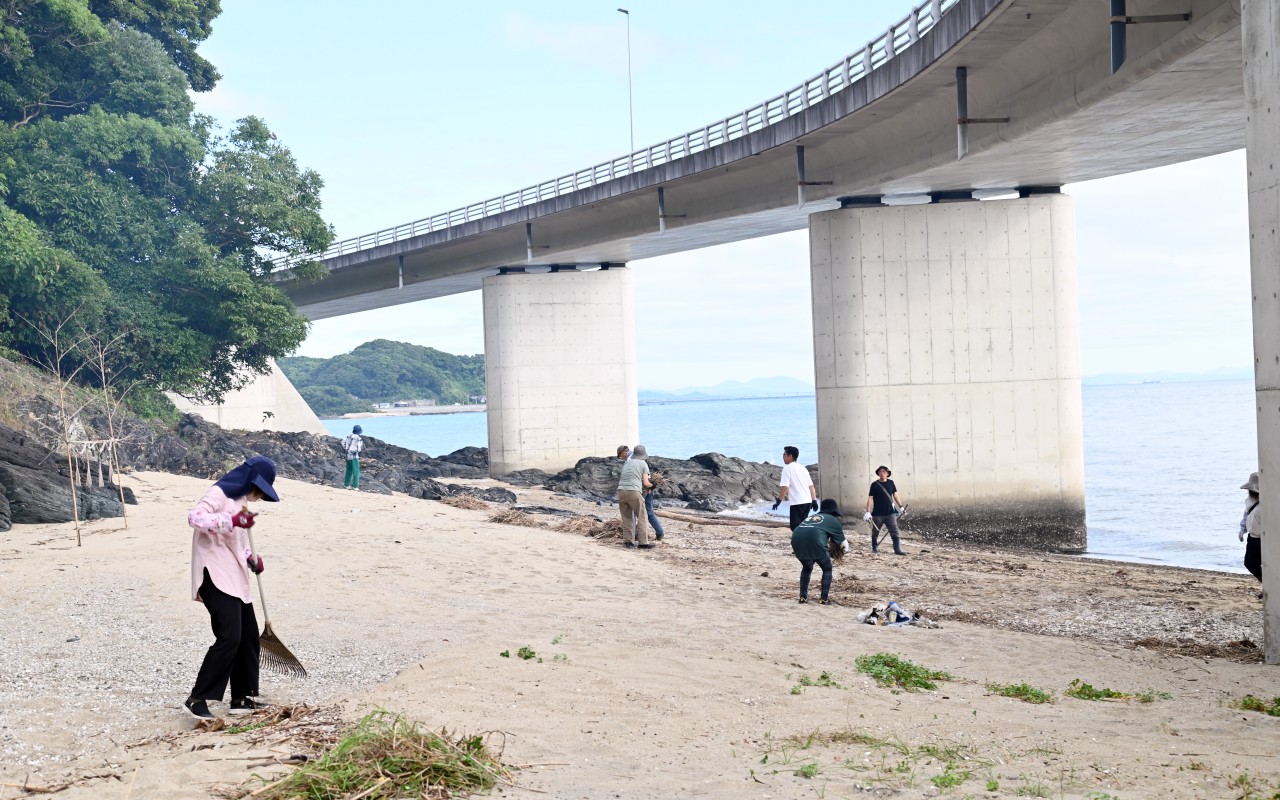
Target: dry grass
x=386 y=756
x=588 y=526
x=465 y=501
x=510 y=517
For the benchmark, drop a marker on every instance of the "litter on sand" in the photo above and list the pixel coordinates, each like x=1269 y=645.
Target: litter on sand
x=892 y=615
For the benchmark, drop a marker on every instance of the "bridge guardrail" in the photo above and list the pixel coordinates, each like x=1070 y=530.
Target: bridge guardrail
x=839 y=76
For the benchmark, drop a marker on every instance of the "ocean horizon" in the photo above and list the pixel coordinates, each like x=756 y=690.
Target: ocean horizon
x=1160 y=487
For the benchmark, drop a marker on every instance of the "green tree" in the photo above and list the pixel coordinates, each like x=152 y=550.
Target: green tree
x=115 y=198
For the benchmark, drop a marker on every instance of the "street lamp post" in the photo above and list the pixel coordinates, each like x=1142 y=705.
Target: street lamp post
x=631 y=109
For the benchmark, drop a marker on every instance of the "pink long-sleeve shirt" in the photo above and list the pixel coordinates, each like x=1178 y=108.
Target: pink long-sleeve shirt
x=218 y=546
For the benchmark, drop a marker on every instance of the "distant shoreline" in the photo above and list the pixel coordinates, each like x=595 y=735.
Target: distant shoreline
x=415 y=411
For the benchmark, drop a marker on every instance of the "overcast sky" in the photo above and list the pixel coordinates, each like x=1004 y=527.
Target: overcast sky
x=407 y=109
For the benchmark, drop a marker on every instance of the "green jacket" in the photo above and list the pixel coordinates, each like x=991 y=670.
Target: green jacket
x=809 y=541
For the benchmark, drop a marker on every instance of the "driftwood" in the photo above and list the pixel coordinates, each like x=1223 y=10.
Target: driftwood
x=732 y=523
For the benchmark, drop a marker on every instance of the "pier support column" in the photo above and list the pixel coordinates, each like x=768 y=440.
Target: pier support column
x=1260 y=26
x=946 y=345
x=560 y=367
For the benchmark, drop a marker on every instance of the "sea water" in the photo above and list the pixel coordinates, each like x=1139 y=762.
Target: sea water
x=1162 y=461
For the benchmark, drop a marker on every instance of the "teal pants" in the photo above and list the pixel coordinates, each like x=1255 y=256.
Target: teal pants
x=353 y=473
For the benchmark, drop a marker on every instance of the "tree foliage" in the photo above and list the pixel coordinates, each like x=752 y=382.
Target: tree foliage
x=383 y=371
x=115 y=198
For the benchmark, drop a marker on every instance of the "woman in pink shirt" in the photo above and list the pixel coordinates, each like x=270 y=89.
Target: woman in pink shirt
x=221 y=560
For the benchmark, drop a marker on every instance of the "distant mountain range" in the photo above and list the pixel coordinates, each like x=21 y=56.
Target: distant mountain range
x=756 y=387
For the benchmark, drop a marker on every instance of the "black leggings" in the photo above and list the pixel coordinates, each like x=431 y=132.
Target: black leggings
x=806 y=571
x=234 y=656
x=1253 y=556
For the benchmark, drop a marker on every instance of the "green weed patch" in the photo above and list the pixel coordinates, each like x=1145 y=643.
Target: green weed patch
x=891 y=670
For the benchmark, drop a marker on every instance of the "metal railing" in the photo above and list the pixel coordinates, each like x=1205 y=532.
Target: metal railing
x=793 y=101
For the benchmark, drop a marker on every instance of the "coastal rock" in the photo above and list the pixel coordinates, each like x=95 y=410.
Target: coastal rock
x=201 y=449
x=35 y=486
x=708 y=482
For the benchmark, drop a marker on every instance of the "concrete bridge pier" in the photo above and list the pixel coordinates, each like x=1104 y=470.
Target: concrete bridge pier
x=560 y=366
x=1260 y=22
x=946 y=346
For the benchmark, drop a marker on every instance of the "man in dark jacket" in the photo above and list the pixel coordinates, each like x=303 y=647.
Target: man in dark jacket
x=810 y=542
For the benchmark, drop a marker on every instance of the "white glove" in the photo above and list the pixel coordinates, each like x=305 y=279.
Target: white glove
x=867 y=516
x=845 y=545
x=1242 y=536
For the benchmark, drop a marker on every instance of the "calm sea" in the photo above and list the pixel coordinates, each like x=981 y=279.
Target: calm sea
x=1162 y=460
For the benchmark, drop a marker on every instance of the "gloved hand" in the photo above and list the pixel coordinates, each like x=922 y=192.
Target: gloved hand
x=243 y=519
x=1242 y=536
x=776 y=503
x=814 y=505
x=256 y=564
x=867 y=516
x=845 y=545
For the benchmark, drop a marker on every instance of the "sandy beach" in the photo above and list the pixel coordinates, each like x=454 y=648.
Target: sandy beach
x=677 y=672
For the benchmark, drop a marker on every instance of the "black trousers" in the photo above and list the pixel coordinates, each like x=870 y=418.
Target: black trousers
x=1253 y=555
x=799 y=514
x=806 y=572
x=234 y=654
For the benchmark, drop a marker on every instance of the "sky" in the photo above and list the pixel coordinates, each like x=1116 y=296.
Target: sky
x=407 y=109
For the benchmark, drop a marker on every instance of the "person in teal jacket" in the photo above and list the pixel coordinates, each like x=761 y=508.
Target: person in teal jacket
x=810 y=542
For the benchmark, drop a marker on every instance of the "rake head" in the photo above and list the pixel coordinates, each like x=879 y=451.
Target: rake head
x=275 y=657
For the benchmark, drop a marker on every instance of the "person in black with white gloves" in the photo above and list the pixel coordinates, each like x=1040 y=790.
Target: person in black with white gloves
x=883 y=506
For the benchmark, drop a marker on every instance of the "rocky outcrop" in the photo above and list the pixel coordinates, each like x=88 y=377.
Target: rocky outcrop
x=709 y=482
x=35 y=486
x=199 y=448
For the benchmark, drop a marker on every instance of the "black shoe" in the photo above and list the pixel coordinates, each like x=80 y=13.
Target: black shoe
x=658 y=536
x=899 y=552
x=629 y=543
x=824 y=602
x=645 y=546
x=803 y=600
x=197 y=708
x=245 y=705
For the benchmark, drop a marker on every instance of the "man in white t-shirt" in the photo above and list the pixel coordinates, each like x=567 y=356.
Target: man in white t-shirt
x=796 y=487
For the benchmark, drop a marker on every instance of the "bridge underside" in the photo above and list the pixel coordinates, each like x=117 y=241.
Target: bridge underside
x=1043 y=64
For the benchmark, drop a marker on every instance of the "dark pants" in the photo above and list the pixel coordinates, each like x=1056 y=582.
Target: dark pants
x=234 y=654
x=798 y=514
x=877 y=529
x=1253 y=555
x=653 y=518
x=806 y=571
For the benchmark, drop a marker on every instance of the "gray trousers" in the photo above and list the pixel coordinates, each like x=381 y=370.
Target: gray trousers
x=877 y=527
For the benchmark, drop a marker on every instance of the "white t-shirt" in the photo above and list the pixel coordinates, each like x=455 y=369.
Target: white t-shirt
x=796 y=478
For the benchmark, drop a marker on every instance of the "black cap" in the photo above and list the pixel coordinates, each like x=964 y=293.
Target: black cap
x=829 y=507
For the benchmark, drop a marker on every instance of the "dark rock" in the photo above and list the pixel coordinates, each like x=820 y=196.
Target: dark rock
x=526 y=477
x=708 y=482
x=35 y=484
x=475 y=457
x=201 y=449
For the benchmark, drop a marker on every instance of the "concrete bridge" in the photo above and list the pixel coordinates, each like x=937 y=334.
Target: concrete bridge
x=927 y=167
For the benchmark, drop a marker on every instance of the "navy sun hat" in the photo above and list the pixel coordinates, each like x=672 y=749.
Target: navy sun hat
x=357 y=429
x=259 y=472
x=886 y=469
x=829 y=507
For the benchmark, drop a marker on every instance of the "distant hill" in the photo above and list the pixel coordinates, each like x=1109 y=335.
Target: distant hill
x=756 y=387
x=383 y=371
x=1219 y=374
